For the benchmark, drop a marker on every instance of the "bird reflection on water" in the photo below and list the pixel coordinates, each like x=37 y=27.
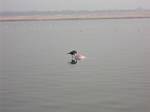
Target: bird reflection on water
x=73 y=61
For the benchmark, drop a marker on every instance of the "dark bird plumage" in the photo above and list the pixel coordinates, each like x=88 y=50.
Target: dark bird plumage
x=73 y=52
x=73 y=61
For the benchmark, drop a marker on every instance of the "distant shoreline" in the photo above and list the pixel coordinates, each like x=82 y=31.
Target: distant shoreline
x=30 y=18
x=78 y=16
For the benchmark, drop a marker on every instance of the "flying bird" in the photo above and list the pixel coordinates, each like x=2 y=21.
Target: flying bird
x=76 y=56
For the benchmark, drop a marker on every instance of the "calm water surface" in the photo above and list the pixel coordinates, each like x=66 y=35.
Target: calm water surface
x=35 y=75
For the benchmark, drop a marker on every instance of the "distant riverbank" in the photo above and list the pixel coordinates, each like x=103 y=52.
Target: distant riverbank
x=81 y=15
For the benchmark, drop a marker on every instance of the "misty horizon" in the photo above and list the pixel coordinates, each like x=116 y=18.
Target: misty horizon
x=44 y=5
x=68 y=10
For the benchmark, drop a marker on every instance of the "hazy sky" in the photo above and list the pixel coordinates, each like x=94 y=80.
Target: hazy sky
x=27 y=5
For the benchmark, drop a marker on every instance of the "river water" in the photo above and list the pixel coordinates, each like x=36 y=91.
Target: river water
x=36 y=76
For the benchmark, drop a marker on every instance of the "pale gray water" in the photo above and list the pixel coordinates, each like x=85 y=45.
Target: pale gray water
x=36 y=76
